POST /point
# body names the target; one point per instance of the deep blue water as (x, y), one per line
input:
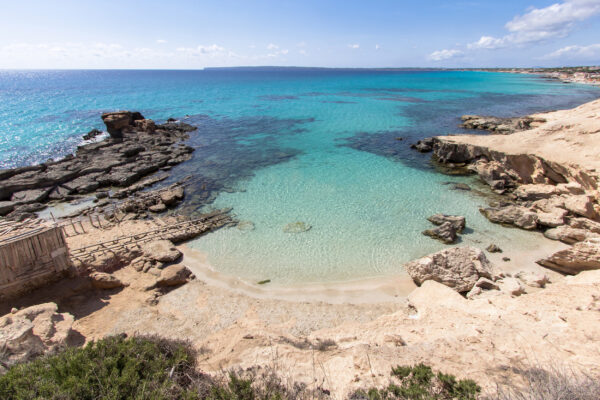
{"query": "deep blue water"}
(313, 146)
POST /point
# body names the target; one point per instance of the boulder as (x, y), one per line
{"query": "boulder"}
(117, 122)
(171, 196)
(6, 207)
(32, 332)
(458, 222)
(446, 232)
(157, 208)
(492, 248)
(161, 250)
(423, 146)
(102, 280)
(584, 223)
(582, 205)
(552, 219)
(173, 275)
(533, 279)
(582, 256)
(569, 235)
(458, 267)
(512, 214)
(486, 284)
(512, 286)
(536, 191)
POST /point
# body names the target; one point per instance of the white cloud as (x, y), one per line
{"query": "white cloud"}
(539, 24)
(201, 50)
(445, 54)
(377, 47)
(354, 46)
(272, 46)
(161, 41)
(589, 52)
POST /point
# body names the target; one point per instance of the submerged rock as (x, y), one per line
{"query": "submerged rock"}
(297, 227)
(245, 226)
(458, 267)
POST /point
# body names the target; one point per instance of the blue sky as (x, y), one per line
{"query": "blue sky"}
(331, 33)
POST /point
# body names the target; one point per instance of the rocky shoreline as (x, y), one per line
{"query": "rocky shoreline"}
(540, 193)
(136, 148)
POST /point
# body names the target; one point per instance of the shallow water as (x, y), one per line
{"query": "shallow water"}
(280, 147)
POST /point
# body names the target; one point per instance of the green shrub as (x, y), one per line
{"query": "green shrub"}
(420, 383)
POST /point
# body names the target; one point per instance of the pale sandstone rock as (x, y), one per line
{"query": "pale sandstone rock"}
(446, 233)
(591, 277)
(581, 256)
(549, 205)
(486, 284)
(512, 286)
(554, 218)
(173, 275)
(584, 223)
(102, 280)
(458, 267)
(571, 187)
(581, 205)
(536, 191)
(457, 221)
(533, 279)
(32, 332)
(512, 214)
(171, 196)
(161, 250)
(157, 208)
(569, 235)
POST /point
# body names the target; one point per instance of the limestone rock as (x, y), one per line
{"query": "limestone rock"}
(157, 208)
(173, 275)
(161, 250)
(492, 248)
(512, 214)
(457, 221)
(446, 232)
(552, 219)
(584, 223)
(536, 191)
(458, 267)
(116, 122)
(582, 205)
(581, 256)
(102, 280)
(486, 284)
(32, 332)
(493, 173)
(423, 146)
(569, 235)
(171, 196)
(533, 279)
(512, 286)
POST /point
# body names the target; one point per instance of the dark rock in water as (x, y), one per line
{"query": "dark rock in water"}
(492, 248)
(92, 134)
(399, 138)
(423, 146)
(458, 222)
(445, 232)
(117, 122)
(461, 186)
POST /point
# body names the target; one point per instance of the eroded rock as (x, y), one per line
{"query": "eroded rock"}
(458, 222)
(513, 215)
(173, 275)
(582, 256)
(102, 280)
(458, 267)
(161, 250)
(446, 232)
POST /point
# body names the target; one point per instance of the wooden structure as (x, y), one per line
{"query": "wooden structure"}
(31, 254)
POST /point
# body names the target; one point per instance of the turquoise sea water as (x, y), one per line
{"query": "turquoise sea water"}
(280, 147)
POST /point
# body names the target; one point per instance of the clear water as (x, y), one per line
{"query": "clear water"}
(281, 147)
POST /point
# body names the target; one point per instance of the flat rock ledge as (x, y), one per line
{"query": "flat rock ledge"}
(137, 147)
(503, 126)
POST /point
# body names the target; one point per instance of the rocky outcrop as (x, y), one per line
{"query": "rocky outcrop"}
(137, 148)
(503, 126)
(458, 222)
(173, 275)
(102, 280)
(424, 145)
(511, 215)
(446, 232)
(161, 251)
(458, 267)
(32, 332)
(569, 235)
(582, 256)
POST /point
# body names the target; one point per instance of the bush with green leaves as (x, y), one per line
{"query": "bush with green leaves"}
(419, 382)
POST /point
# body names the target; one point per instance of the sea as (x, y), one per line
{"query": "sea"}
(315, 163)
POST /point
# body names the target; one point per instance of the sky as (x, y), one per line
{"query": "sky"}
(187, 34)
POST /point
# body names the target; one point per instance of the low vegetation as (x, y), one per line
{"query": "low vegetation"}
(154, 368)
